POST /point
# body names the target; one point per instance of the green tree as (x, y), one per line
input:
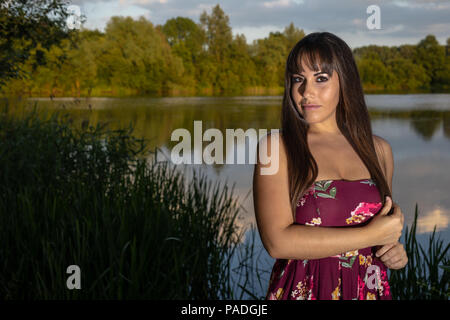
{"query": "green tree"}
(431, 56)
(242, 65)
(381, 53)
(24, 25)
(443, 73)
(293, 35)
(218, 43)
(98, 44)
(270, 59)
(407, 51)
(54, 75)
(408, 76)
(374, 73)
(84, 70)
(186, 39)
(139, 56)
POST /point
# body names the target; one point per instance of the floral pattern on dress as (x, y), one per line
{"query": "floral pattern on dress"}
(323, 186)
(362, 212)
(333, 203)
(308, 193)
(337, 291)
(277, 295)
(303, 290)
(314, 222)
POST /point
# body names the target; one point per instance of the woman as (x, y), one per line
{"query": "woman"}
(326, 215)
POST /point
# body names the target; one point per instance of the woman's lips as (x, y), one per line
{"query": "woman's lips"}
(311, 106)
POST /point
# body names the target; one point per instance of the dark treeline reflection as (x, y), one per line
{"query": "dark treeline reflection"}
(156, 119)
(425, 123)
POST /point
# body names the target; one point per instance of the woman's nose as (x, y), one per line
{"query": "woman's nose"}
(308, 91)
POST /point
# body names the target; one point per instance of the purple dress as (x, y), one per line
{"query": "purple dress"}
(356, 275)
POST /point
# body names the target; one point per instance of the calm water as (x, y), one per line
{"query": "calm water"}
(416, 126)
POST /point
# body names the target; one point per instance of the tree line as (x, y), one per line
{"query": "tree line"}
(134, 56)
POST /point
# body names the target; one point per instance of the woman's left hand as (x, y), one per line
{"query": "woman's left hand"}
(393, 255)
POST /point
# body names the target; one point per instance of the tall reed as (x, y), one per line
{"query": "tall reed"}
(137, 229)
(427, 274)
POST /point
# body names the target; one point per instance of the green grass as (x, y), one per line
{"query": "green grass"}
(86, 196)
(427, 274)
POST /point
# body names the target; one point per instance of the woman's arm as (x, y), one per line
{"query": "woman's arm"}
(392, 255)
(386, 158)
(280, 236)
(308, 242)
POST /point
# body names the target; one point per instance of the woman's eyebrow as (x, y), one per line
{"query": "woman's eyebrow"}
(315, 74)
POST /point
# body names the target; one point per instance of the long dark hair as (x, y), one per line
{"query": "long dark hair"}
(352, 116)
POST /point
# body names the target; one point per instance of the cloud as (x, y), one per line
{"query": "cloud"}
(253, 33)
(422, 4)
(277, 3)
(438, 217)
(141, 2)
(98, 13)
(436, 28)
(391, 30)
(358, 22)
(401, 21)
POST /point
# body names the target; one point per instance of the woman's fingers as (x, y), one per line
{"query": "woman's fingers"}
(388, 255)
(387, 206)
(384, 249)
(397, 264)
(398, 211)
(395, 257)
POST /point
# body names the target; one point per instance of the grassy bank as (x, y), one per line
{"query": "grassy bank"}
(122, 92)
(83, 196)
(178, 91)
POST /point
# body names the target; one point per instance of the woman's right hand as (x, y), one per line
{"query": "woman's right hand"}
(384, 228)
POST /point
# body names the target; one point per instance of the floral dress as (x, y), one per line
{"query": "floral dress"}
(357, 274)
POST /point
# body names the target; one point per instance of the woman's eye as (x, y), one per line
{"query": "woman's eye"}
(319, 79)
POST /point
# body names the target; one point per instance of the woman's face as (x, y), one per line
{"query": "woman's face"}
(316, 88)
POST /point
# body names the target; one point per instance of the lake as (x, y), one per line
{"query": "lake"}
(416, 125)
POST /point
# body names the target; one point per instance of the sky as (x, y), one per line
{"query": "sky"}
(399, 21)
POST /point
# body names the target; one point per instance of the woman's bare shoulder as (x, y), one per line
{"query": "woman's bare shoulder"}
(382, 144)
(384, 152)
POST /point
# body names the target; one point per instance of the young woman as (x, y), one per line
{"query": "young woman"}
(326, 215)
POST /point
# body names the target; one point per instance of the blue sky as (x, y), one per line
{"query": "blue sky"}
(402, 22)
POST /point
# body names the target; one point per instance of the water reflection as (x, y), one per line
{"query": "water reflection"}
(438, 217)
